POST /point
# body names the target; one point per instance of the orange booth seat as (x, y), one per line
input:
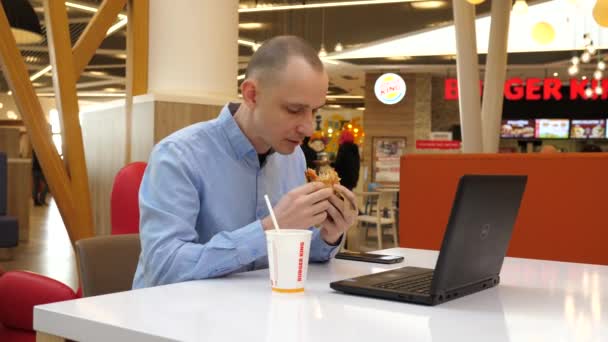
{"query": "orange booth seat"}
(563, 214)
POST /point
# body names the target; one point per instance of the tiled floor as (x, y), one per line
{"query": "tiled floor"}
(48, 251)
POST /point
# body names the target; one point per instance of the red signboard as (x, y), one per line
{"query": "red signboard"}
(536, 89)
(438, 144)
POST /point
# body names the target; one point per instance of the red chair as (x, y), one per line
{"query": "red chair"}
(125, 199)
(20, 291)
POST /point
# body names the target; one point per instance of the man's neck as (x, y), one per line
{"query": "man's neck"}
(243, 118)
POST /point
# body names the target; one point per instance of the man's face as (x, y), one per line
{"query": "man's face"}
(284, 112)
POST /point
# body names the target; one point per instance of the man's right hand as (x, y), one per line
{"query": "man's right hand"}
(302, 207)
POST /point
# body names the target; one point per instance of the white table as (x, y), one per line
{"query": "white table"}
(536, 301)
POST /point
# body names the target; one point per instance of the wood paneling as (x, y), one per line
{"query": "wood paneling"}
(9, 141)
(42, 337)
(19, 197)
(388, 120)
(172, 116)
(104, 137)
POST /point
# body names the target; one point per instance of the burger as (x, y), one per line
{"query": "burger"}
(328, 176)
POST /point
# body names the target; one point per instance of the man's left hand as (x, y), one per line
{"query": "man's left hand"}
(342, 213)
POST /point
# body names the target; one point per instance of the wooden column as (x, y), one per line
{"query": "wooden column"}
(64, 81)
(496, 71)
(468, 76)
(137, 63)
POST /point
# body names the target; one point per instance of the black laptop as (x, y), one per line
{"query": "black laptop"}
(474, 246)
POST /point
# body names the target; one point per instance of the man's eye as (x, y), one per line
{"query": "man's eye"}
(293, 110)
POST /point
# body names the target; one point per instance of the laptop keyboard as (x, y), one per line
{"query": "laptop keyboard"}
(416, 283)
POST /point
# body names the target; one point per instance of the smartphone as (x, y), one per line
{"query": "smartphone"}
(369, 257)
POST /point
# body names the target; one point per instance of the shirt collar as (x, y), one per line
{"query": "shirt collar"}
(239, 142)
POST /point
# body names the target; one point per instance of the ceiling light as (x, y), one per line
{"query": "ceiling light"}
(360, 108)
(97, 73)
(265, 8)
(116, 27)
(600, 13)
(543, 33)
(121, 55)
(32, 59)
(344, 97)
(599, 90)
(334, 106)
(520, 7)
(322, 52)
(575, 60)
(37, 84)
(240, 77)
(23, 21)
(431, 4)
(601, 65)
(86, 94)
(398, 58)
(585, 57)
(329, 61)
(573, 70)
(112, 90)
(555, 74)
(475, 2)
(339, 47)
(1, 105)
(598, 74)
(88, 8)
(9, 93)
(251, 26)
(40, 73)
(11, 115)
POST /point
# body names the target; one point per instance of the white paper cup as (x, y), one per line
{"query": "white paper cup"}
(288, 251)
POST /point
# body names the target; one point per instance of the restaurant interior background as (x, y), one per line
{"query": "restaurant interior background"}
(551, 43)
(361, 42)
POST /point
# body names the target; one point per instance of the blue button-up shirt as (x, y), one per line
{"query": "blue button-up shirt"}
(201, 203)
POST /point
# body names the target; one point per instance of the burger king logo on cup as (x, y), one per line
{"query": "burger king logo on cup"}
(390, 88)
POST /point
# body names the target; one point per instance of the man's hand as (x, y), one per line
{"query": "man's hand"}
(302, 207)
(341, 215)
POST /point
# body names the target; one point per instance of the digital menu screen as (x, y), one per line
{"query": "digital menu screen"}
(552, 128)
(517, 129)
(588, 129)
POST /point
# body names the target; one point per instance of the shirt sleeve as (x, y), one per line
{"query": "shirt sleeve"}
(169, 204)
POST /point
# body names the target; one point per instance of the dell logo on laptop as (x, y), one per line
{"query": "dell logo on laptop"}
(485, 231)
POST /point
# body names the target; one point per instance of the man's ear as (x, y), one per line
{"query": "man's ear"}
(249, 91)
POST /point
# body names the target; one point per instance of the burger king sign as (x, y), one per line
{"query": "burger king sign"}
(390, 88)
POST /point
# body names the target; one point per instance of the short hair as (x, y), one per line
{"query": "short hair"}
(272, 57)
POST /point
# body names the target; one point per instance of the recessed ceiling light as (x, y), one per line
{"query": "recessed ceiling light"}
(431, 4)
(97, 73)
(112, 90)
(251, 26)
(268, 7)
(398, 58)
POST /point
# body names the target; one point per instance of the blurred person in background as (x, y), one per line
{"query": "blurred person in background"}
(348, 162)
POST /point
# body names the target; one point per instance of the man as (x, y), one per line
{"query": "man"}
(201, 200)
